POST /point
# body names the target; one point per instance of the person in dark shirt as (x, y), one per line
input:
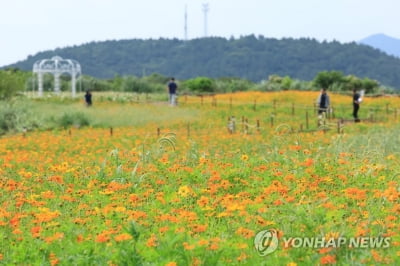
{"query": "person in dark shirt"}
(172, 89)
(356, 105)
(323, 102)
(88, 98)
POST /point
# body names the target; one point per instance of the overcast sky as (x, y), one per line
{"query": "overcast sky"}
(31, 26)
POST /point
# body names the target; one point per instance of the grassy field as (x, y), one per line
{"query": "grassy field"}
(143, 183)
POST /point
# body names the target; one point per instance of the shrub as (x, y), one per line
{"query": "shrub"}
(201, 84)
(14, 117)
(77, 119)
(233, 85)
(326, 79)
(134, 84)
(11, 82)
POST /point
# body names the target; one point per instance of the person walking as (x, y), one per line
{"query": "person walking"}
(356, 105)
(172, 89)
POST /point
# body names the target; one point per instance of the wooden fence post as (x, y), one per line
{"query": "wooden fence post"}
(292, 109)
(371, 116)
(307, 119)
(231, 124)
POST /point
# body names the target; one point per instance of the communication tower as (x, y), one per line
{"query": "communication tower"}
(206, 8)
(185, 28)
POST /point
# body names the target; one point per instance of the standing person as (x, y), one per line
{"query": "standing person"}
(356, 105)
(172, 89)
(323, 102)
(88, 98)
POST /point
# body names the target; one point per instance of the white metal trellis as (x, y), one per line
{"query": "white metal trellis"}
(57, 66)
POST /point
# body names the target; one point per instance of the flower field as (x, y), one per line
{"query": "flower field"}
(189, 192)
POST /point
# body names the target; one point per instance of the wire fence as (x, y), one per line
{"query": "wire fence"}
(268, 116)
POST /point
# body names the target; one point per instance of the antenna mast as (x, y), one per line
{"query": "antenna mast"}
(205, 10)
(185, 27)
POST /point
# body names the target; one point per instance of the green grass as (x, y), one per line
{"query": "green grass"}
(115, 114)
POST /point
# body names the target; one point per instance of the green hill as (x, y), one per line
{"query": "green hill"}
(250, 57)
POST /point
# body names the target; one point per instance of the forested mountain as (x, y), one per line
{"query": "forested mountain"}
(249, 57)
(385, 43)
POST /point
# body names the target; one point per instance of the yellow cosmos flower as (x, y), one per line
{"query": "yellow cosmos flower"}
(184, 191)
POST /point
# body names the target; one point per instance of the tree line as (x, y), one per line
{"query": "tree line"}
(14, 81)
(252, 58)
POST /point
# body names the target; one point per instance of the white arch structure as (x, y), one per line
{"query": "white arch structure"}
(57, 66)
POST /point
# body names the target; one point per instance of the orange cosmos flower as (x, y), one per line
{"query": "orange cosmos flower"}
(57, 179)
(328, 259)
(187, 246)
(243, 256)
(213, 246)
(35, 231)
(308, 162)
(79, 238)
(203, 201)
(164, 229)
(180, 230)
(391, 218)
(198, 228)
(324, 250)
(246, 233)
(152, 241)
(122, 237)
(53, 259)
(14, 222)
(203, 242)
(391, 193)
(54, 237)
(295, 147)
(48, 195)
(376, 256)
(356, 193)
(103, 237)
